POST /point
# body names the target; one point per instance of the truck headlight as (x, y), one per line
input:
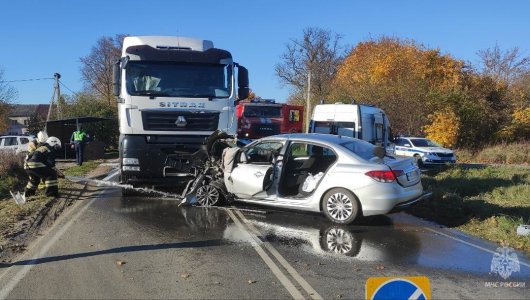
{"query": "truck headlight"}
(130, 161)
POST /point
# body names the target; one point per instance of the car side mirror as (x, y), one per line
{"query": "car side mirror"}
(407, 145)
(243, 158)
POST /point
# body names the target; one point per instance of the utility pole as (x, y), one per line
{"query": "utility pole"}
(57, 76)
(56, 91)
(308, 101)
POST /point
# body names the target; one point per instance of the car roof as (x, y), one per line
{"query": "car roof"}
(412, 137)
(312, 137)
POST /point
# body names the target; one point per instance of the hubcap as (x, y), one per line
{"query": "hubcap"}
(339, 241)
(339, 206)
(207, 195)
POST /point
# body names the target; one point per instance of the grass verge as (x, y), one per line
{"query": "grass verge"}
(489, 202)
(515, 153)
(11, 214)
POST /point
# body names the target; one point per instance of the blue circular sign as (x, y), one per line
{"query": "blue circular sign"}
(399, 289)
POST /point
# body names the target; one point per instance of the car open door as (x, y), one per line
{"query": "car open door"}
(253, 171)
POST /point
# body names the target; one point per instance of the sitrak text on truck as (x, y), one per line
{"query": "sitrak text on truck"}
(173, 92)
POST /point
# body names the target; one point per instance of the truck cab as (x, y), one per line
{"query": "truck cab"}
(173, 92)
(257, 118)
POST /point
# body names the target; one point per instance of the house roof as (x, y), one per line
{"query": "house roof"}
(28, 110)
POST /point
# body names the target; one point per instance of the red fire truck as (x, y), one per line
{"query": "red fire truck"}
(258, 118)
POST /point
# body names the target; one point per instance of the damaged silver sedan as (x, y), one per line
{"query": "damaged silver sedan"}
(342, 177)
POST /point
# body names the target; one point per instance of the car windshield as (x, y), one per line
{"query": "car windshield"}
(261, 111)
(423, 143)
(179, 80)
(362, 149)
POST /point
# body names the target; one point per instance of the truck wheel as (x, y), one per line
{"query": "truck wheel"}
(340, 206)
(208, 195)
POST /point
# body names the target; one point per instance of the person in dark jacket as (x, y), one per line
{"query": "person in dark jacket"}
(40, 165)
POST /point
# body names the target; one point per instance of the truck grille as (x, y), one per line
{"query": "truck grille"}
(445, 154)
(180, 121)
(263, 130)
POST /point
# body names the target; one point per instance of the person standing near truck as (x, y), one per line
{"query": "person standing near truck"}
(78, 140)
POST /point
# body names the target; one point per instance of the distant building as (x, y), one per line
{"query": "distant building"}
(20, 116)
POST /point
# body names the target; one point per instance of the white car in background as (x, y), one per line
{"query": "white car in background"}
(16, 143)
(424, 150)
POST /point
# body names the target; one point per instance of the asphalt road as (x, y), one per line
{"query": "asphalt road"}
(108, 246)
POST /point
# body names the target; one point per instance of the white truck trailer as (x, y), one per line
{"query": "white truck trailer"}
(173, 92)
(364, 122)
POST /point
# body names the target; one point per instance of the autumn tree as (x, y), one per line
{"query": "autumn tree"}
(318, 51)
(406, 79)
(444, 127)
(8, 95)
(96, 69)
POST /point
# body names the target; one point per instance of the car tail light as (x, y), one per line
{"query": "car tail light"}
(385, 175)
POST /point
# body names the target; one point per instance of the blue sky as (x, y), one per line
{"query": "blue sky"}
(40, 38)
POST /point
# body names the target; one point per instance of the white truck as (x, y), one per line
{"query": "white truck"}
(364, 122)
(173, 92)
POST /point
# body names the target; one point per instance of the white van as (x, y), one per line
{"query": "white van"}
(365, 122)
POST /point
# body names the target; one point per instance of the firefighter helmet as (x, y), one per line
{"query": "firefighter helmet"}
(54, 142)
(42, 136)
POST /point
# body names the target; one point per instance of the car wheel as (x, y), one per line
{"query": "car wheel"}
(340, 240)
(418, 160)
(208, 195)
(340, 206)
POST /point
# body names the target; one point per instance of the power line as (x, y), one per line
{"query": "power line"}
(61, 83)
(21, 80)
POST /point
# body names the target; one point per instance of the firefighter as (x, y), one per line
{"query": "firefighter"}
(40, 165)
(42, 136)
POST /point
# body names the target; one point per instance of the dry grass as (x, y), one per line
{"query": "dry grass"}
(12, 174)
(515, 153)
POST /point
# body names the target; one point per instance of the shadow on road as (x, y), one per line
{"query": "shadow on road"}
(38, 261)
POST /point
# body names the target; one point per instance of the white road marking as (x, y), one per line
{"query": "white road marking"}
(255, 242)
(417, 293)
(15, 280)
(303, 283)
(469, 244)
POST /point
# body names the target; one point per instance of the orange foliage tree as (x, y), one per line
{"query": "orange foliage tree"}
(444, 127)
(406, 79)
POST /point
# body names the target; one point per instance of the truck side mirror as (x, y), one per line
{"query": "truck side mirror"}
(116, 78)
(242, 83)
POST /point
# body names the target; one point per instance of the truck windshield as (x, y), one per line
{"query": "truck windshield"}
(262, 111)
(163, 79)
